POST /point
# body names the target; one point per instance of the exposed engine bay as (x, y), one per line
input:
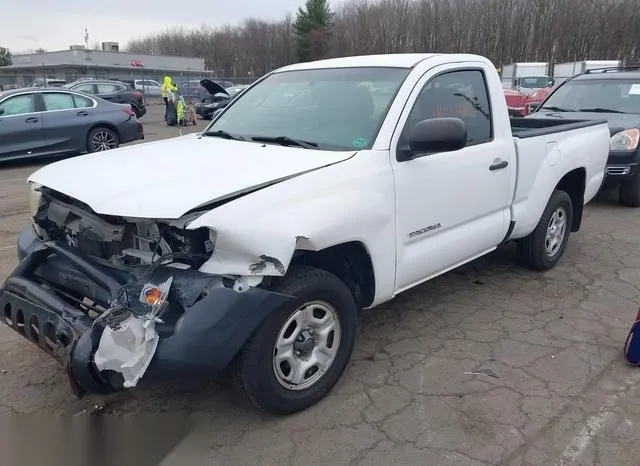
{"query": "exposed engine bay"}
(120, 242)
(156, 278)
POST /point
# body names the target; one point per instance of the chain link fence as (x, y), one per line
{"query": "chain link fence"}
(146, 81)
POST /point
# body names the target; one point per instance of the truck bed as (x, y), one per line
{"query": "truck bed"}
(546, 150)
(529, 127)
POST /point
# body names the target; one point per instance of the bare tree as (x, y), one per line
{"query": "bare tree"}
(505, 31)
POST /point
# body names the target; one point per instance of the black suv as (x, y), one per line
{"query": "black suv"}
(113, 91)
(612, 94)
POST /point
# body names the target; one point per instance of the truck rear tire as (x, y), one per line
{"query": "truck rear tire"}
(544, 247)
(298, 354)
(630, 193)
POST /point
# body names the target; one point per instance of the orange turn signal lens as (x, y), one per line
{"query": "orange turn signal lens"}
(153, 295)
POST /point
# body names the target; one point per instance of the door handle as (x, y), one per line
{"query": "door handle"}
(499, 165)
(82, 113)
(31, 120)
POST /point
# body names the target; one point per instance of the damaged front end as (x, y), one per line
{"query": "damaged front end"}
(116, 299)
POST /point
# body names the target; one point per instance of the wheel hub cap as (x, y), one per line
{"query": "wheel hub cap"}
(307, 345)
(556, 231)
(102, 141)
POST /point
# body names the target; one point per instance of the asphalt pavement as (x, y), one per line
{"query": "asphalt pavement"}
(489, 364)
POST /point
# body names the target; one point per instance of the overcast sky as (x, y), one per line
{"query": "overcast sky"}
(52, 25)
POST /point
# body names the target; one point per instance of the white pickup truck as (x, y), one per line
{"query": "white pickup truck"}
(325, 188)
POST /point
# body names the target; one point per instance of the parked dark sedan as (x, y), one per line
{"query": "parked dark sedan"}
(113, 91)
(192, 90)
(217, 99)
(42, 122)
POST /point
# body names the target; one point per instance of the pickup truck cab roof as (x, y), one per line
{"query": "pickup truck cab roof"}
(322, 189)
(398, 60)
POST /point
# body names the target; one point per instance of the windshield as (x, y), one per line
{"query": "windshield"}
(535, 82)
(333, 109)
(601, 95)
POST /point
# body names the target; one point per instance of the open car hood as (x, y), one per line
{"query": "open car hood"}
(167, 179)
(213, 87)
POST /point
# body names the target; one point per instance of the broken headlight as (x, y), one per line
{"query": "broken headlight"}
(35, 198)
(35, 201)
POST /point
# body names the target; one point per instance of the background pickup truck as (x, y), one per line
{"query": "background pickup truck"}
(323, 189)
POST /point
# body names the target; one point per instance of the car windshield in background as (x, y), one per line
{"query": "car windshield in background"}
(235, 90)
(535, 82)
(596, 95)
(333, 109)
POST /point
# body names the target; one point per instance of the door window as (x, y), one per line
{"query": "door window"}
(19, 105)
(459, 94)
(108, 88)
(82, 102)
(58, 101)
(88, 88)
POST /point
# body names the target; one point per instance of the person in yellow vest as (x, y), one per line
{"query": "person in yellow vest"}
(167, 90)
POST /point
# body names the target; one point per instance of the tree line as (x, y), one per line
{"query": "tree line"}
(505, 31)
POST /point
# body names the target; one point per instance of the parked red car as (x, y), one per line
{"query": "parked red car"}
(538, 97)
(517, 103)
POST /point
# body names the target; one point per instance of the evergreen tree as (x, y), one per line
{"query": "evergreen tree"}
(312, 29)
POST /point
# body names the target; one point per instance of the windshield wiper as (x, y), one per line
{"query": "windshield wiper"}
(286, 141)
(222, 134)
(557, 109)
(600, 110)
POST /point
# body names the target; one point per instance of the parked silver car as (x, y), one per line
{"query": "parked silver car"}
(41, 82)
(36, 122)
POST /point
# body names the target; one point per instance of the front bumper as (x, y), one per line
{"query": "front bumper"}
(622, 167)
(205, 112)
(203, 330)
(618, 173)
(518, 112)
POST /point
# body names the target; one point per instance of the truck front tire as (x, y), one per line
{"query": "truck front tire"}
(544, 247)
(298, 354)
(630, 193)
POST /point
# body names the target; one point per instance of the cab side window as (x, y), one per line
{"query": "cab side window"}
(19, 105)
(460, 94)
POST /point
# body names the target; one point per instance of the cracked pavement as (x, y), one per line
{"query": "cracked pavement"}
(490, 364)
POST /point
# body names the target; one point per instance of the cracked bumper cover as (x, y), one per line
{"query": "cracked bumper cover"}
(200, 337)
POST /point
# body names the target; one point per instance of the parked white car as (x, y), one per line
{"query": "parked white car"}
(148, 87)
(323, 189)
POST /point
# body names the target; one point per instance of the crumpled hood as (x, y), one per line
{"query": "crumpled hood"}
(166, 179)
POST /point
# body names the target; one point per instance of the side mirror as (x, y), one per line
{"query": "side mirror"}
(1, 111)
(437, 135)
